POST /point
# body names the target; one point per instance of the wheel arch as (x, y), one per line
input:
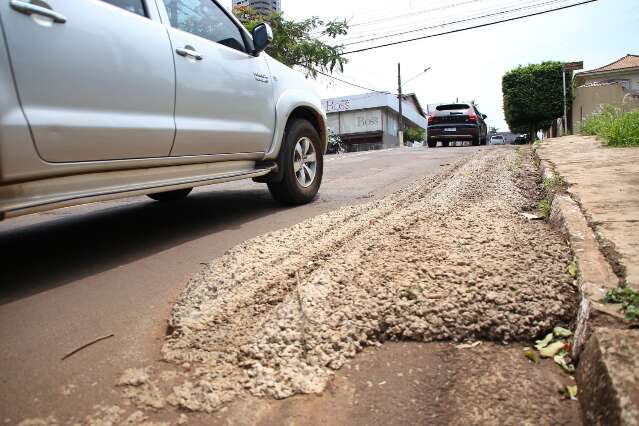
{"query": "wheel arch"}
(295, 104)
(315, 118)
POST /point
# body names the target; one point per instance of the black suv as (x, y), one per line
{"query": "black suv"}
(456, 122)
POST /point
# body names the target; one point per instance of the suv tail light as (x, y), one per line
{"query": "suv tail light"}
(473, 117)
(431, 119)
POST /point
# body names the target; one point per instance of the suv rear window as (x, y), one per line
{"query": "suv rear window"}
(450, 107)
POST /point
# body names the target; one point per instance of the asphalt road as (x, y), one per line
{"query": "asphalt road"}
(72, 275)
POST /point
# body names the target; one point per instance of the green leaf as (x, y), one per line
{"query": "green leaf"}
(544, 342)
(561, 332)
(561, 361)
(531, 355)
(572, 269)
(551, 350)
(571, 392)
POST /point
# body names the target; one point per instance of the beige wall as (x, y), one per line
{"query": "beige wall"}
(631, 78)
(589, 100)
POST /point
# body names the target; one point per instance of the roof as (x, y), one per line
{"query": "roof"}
(628, 61)
(378, 100)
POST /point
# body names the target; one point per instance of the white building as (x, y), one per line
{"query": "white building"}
(369, 121)
(262, 6)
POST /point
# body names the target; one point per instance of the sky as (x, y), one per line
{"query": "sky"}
(469, 65)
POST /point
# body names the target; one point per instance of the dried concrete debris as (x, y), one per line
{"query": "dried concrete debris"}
(135, 419)
(469, 345)
(105, 415)
(48, 421)
(134, 377)
(140, 389)
(449, 258)
(68, 389)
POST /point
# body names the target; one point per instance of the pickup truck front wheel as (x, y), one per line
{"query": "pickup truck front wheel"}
(301, 162)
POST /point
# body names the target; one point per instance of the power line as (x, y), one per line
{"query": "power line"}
(418, 12)
(443, 21)
(352, 84)
(393, 27)
(319, 33)
(470, 28)
(459, 21)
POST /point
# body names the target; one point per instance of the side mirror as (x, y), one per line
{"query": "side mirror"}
(262, 37)
(484, 116)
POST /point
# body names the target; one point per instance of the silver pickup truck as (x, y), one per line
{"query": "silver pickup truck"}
(101, 99)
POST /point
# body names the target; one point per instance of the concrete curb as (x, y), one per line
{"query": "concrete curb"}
(607, 378)
(605, 375)
(596, 276)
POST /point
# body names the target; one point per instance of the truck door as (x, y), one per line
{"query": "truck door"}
(95, 78)
(224, 97)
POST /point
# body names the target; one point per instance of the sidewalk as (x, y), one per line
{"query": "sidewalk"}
(605, 181)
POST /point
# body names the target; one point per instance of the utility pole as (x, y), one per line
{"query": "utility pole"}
(400, 121)
(563, 68)
(568, 66)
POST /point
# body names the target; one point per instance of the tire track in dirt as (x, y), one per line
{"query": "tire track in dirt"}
(448, 258)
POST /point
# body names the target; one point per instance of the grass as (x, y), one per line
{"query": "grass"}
(628, 298)
(544, 208)
(615, 127)
(515, 166)
(555, 184)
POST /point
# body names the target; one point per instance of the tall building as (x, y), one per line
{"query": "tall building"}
(262, 6)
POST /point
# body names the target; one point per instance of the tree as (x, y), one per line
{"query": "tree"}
(493, 129)
(414, 134)
(299, 43)
(533, 96)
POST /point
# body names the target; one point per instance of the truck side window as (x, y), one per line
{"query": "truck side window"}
(204, 18)
(134, 6)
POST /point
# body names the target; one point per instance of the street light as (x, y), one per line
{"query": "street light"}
(400, 132)
(418, 75)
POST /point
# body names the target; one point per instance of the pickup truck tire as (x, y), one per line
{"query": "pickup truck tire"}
(432, 143)
(301, 162)
(169, 196)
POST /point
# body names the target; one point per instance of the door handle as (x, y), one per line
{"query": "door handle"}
(189, 51)
(34, 9)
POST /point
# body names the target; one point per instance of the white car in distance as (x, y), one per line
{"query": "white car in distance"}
(497, 140)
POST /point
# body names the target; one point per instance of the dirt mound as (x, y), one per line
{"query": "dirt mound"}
(449, 258)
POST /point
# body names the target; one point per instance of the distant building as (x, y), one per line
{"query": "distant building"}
(262, 6)
(370, 121)
(615, 84)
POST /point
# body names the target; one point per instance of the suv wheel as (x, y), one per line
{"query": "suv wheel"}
(302, 165)
(178, 194)
(432, 144)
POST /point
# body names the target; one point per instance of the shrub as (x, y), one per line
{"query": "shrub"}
(615, 127)
(544, 208)
(628, 298)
